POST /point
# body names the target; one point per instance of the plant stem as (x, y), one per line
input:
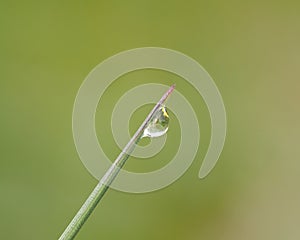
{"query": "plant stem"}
(103, 185)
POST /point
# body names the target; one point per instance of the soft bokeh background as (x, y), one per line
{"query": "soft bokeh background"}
(252, 51)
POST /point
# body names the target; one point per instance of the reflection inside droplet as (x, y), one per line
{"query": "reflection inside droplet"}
(158, 125)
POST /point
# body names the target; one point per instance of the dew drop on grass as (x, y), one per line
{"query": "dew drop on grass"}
(158, 125)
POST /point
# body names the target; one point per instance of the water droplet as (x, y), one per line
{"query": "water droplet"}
(158, 125)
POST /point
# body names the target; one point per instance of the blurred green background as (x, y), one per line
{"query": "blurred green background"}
(250, 48)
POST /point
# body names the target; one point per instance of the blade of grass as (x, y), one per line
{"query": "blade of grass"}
(103, 185)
